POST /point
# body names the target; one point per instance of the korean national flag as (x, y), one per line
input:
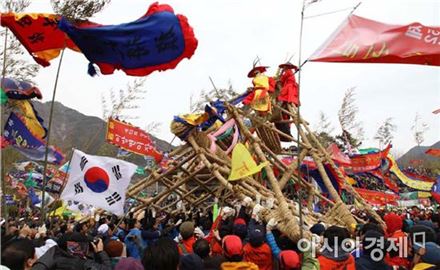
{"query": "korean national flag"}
(98, 181)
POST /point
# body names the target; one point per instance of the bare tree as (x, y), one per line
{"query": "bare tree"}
(153, 127)
(347, 116)
(385, 132)
(16, 65)
(15, 5)
(118, 103)
(212, 95)
(324, 124)
(323, 130)
(419, 128)
(78, 9)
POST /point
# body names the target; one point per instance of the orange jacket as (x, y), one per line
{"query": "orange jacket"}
(329, 264)
(261, 256)
(238, 266)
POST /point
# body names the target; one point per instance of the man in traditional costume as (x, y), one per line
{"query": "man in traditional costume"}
(259, 98)
(288, 94)
(289, 86)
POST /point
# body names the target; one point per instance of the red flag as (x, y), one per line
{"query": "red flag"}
(39, 34)
(376, 197)
(3, 142)
(433, 152)
(368, 162)
(338, 156)
(132, 139)
(386, 180)
(361, 40)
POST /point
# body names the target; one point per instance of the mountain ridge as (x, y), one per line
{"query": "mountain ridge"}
(73, 129)
(418, 153)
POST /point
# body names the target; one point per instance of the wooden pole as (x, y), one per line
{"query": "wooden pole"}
(3, 199)
(43, 210)
(67, 173)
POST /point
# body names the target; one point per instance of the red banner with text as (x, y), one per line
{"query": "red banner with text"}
(376, 197)
(362, 40)
(368, 162)
(132, 139)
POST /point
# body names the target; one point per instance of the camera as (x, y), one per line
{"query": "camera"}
(131, 237)
(96, 240)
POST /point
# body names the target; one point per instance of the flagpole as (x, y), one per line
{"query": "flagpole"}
(301, 221)
(64, 183)
(43, 210)
(297, 122)
(66, 174)
(300, 65)
(6, 214)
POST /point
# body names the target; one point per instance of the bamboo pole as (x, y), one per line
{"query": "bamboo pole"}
(291, 169)
(3, 199)
(43, 204)
(180, 190)
(149, 181)
(283, 207)
(341, 176)
(175, 186)
(349, 220)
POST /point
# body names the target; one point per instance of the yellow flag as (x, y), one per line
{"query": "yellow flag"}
(29, 118)
(243, 164)
(195, 119)
(60, 210)
(415, 184)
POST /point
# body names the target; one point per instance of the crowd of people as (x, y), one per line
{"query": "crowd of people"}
(236, 239)
(370, 182)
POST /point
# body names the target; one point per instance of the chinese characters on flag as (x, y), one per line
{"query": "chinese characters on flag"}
(132, 139)
(368, 162)
(376, 197)
(39, 34)
(362, 40)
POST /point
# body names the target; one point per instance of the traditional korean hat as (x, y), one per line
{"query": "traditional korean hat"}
(288, 65)
(256, 69)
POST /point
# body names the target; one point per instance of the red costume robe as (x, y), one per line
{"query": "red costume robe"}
(289, 88)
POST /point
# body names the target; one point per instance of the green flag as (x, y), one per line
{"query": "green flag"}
(30, 182)
(214, 211)
(140, 171)
(409, 196)
(3, 97)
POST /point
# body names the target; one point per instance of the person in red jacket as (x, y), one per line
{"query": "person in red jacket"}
(396, 256)
(186, 230)
(334, 256)
(288, 95)
(256, 250)
(233, 253)
(289, 86)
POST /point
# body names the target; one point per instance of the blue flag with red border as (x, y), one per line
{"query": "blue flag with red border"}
(19, 136)
(159, 40)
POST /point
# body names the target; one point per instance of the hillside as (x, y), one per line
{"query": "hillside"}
(418, 153)
(72, 129)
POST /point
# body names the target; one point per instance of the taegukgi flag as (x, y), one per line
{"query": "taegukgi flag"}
(98, 181)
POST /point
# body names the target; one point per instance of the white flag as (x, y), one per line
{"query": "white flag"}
(98, 181)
